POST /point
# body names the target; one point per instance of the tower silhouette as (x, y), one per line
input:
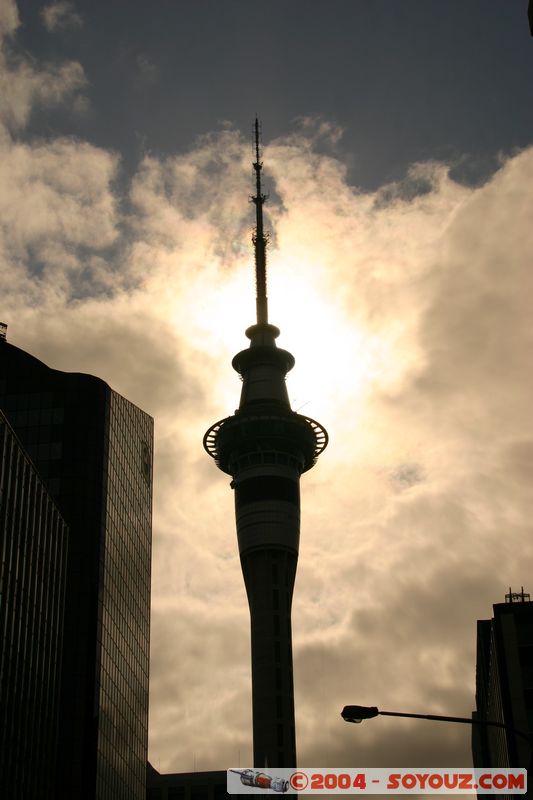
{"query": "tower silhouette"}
(265, 447)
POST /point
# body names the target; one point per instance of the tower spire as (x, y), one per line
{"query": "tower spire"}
(258, 237)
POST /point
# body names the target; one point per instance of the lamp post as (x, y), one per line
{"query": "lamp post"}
(359, 713)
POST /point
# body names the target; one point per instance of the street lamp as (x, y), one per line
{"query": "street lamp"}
(359, 713)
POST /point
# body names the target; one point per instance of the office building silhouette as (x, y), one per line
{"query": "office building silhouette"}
(504, 683)
(93, 451)
(185, 785)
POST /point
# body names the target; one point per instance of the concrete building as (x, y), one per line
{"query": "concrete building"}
(504, 683)
(185, 785)
(93, 451)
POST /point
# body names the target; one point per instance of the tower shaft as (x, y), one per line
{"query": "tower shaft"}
(267, 510)
(265, 447)
(269, 577)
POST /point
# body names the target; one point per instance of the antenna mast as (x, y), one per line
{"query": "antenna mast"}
(258, 237)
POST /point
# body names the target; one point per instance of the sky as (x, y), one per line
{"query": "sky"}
(398, 158)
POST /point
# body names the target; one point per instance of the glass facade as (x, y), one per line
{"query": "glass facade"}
(33, 546)
(125, 604)
(489, 745)
(94, 451)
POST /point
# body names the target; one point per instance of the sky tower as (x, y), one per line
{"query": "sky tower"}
(265, 447)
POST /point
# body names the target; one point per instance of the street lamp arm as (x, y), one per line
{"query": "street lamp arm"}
(464, 720)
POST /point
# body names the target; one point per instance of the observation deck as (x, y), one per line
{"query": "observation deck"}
(270, 437)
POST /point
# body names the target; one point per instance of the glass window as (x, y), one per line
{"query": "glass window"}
(46, 416)
(43, 451)
(56, 450)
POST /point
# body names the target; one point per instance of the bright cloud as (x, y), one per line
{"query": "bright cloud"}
(407, 312)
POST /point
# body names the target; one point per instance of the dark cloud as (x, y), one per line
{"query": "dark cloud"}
(26, 85)
(61, 16)
(406, 475)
